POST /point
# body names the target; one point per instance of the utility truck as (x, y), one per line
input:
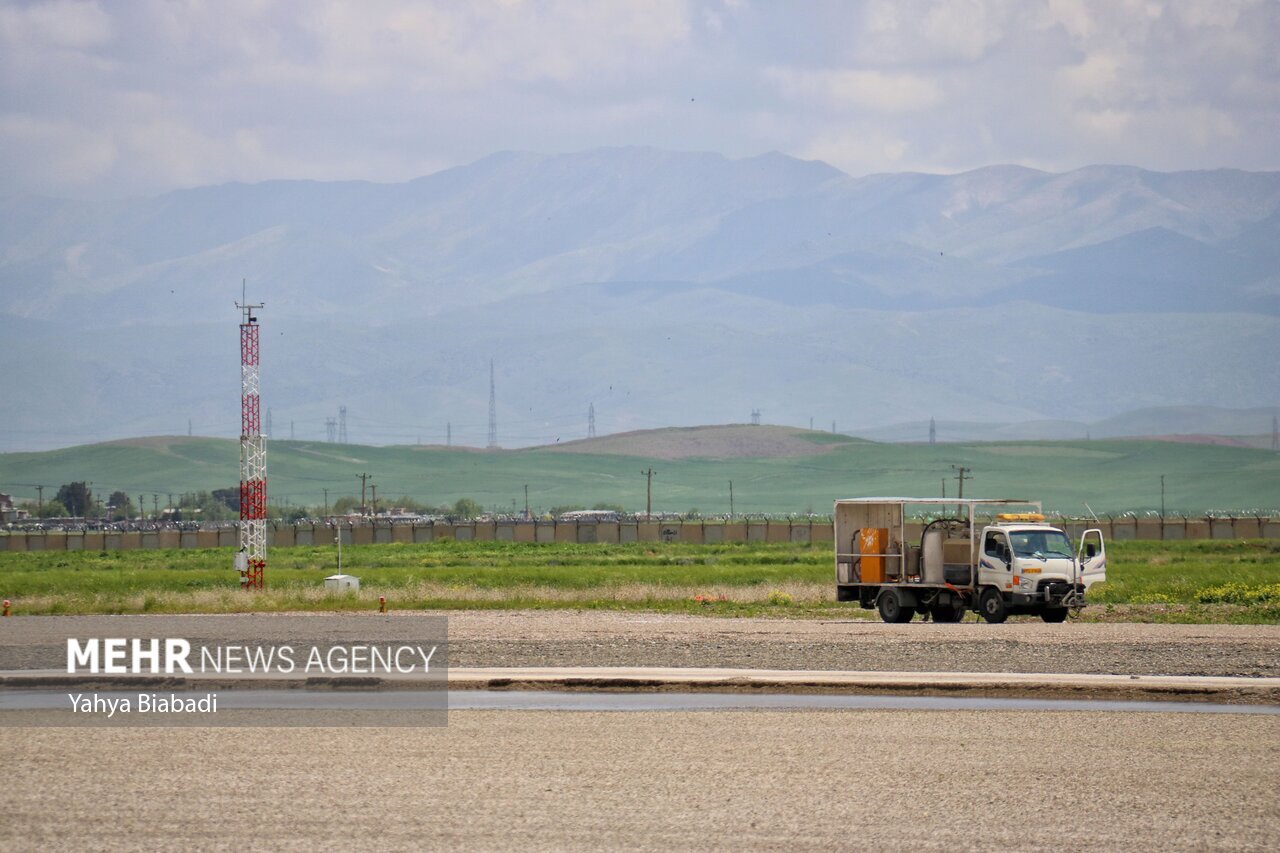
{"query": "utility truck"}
(995, 557)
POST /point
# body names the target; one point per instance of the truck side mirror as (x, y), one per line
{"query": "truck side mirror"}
(1090, 550)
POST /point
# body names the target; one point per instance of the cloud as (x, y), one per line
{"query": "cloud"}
(874, 90)
(127, 98)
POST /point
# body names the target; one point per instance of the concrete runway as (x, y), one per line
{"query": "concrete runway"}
(792, 780)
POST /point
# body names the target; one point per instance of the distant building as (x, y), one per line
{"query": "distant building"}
(8, 512)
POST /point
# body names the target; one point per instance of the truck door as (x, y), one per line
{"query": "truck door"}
(996, 560)
(1092, 557)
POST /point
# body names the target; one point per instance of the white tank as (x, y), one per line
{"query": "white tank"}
(931, 556)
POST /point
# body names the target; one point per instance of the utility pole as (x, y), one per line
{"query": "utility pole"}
(731, 498)
(810, 423)
(493, 410)
(363, 509)
(291, 430)
(1275, 433)
(833, 426)
(591, 421)
(39, 499)
(142, 507)
(648, 493)
(374, 486)
(448, 433)
(933, 431)
(326, 501)
(1162, 497)
(155, 505)
(961, 473)
(944, 487)
(188, 427)
(526, 500)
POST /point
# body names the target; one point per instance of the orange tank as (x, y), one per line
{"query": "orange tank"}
(873, 541)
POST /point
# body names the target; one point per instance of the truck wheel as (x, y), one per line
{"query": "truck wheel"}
(891, 609)
(991, 606)
(1054, 614)
(946, 613)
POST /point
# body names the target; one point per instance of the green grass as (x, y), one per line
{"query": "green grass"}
(1111, 476)
(1195, 581)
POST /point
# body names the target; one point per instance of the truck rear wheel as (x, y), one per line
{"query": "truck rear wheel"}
(1054, 614)
(947, 613)
(991, 606)
(891, 609)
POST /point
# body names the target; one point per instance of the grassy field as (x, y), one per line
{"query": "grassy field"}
(1111, 476)
(1208, 581)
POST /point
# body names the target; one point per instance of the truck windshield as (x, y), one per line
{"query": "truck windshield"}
(1040, 543)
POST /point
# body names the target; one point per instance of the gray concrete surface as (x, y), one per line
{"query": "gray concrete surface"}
(601, 638)
(507, 780)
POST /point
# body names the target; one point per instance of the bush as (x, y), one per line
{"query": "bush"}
(777, 598)
(1239, 593)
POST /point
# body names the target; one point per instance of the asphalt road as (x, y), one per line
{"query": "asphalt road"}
(506, 780)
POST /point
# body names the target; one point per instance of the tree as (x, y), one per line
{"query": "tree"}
(230, 498)
(76, 497)
(50, 509)
(121, 506)
(345, 505)
(467, 508)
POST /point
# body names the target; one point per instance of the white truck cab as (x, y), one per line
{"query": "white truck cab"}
(1034, 567)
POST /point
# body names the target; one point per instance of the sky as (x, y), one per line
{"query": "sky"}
(137, 97)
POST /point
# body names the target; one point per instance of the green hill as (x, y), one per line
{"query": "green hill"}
(773, 469)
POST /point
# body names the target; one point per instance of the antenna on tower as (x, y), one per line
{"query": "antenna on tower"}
(342, 425)
(251, 561)
(591, 421)
(493, 410)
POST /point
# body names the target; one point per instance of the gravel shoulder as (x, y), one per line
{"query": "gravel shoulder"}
(608, 638)
(659, 781)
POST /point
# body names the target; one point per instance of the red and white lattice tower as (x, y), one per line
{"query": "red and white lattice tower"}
(252, 559)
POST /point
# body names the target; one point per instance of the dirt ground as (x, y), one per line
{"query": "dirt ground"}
(603, 638)
(504, 780)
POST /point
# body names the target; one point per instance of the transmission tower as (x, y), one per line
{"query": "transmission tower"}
(331, 429)
(755, 417)
(591, 421)
(266, 429)
(493, 410)
(933, 431)
(252, 559)
(342, 425)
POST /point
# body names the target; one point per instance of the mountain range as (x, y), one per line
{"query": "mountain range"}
(662, 288)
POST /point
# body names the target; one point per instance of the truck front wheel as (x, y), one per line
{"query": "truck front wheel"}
(991, 606)
(891, 608)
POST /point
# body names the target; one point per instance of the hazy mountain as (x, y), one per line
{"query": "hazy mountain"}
(665, 288)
